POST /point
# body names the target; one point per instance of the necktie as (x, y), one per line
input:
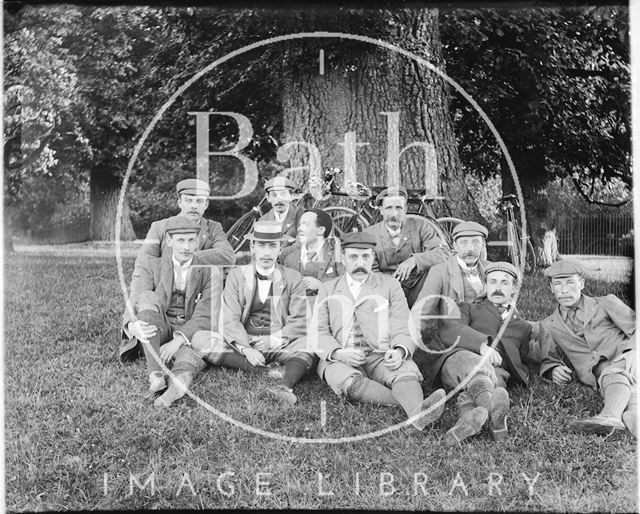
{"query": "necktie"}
(502, 309)
(573, 321)
(264, 277)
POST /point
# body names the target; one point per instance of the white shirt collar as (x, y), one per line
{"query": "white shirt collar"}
(393, 233)
(182, 266)
(463, 264)
(281, 217)
(352, 282)
(265, 271)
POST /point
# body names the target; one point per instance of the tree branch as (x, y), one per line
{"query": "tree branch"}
(596, 202)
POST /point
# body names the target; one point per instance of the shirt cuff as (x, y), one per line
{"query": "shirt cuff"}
(126, 330)
(330, 356)
(186, 339)
(406, 351)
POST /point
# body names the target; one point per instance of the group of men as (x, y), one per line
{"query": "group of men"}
(357, 310)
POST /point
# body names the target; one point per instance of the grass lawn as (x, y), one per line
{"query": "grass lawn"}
(80, 431)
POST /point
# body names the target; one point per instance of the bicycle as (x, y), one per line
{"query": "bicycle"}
(244, 224)
(521, 251)
(364, 212)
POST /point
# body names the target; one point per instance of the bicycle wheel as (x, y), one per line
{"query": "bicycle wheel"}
(346, 220)
(442, 233)
(238, 230)
(448, 223)
(516, 248)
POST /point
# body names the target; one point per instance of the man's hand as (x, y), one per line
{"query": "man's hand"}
(494, 356)
(350, 356)
(311, 283)
(405, 269)
(168, 350)
(561, 375)
(254, 356)
(142, 330)
(393, 358)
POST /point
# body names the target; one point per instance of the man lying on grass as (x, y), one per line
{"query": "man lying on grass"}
(598, 338)
(360, 328)
(264, 316)
(173, 304)
(469, 340)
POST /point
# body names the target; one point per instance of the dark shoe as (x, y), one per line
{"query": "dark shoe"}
(498, 414)
(430, 410)
(469, 424)
(157, 382)
(283, 394)
(275, 371)
(601, 425)
(178, 386)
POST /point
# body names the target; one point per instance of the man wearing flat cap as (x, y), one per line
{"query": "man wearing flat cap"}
(470, 347)
(212, 246)
(313, 255)
(593, 339)
(406, 247)
(279, 190)
(361, 335)
(174, 304)
(264, 312)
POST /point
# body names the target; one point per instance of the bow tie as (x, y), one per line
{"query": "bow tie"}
(502, 308)
(260, 276)
(470, 271)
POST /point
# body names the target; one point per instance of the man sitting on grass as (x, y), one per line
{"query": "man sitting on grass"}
(361, 334)
(313, 255)
(472, 353)
(173, 304)
(598, 338)
(212, 246)
(264, 316)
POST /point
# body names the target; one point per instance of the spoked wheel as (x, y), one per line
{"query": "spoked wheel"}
(235, 235)
(448, 223)
(346, 220)
(519, 247)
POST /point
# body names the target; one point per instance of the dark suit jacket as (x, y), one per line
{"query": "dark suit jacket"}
(290, 303)
(477, 321)
(325, 268)
(290, 224)
(213, 247)
(609, 330)
(153, 282)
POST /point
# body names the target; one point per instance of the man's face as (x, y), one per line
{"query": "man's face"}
(394, 211)
(183, 245)
(358, 262)
(500, 287)
(279, 198)
(193, 206)
(469, 248)
(265, 253)
(567, 290)
(308, 230)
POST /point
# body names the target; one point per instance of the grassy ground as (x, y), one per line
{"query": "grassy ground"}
(79, 430)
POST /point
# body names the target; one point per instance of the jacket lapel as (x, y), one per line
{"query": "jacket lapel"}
(166, 276)
(278, 288)
(203, 233)
(455, 278)
(248, 272)
(590, 307)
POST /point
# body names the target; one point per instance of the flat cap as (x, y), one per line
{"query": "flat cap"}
(391, 191)
(193, 186)
(358, 240)
(506, 267)
(266, 231)
(469, 228)
(181, 225)
(278, 182)
(564, 269)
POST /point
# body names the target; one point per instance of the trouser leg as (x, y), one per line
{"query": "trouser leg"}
(163, 335)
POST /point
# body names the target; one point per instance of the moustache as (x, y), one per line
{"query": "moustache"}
(360, 270)
(498, 293)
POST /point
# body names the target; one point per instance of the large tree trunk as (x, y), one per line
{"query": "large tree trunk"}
(362, 81)
(105, 190)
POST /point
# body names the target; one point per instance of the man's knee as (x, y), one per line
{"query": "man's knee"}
(310, 360)
(209, 346)
(186, 359)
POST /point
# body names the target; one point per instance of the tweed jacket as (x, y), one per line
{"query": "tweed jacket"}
(290, 224)
(289, 300)
(417, 239)
(445, 279)
(609, 330)
(381, 310)
(153, 281)
(325, 268)
(479, 320)
(213, 247)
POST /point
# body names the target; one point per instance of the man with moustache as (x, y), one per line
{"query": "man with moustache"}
(279, 191)
(174, 304)
(264, 316)
(361, 335)
(314, 254)
(596, 336)
(212, 246)
(406, 247)
(471, 348)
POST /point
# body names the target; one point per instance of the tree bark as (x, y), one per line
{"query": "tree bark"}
(105, 191)
(359, 84)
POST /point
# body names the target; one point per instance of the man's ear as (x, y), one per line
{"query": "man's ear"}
(169, 240)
